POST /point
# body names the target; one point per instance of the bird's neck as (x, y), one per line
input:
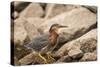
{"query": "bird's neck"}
(53, 38)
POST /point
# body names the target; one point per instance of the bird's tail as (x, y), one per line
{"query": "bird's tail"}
(28, 46)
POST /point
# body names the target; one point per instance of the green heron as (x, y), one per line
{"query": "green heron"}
(45, 43)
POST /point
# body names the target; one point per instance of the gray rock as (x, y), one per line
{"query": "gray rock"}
(35, 20)
(31, 28)
(53, 10)
(89, 41)
(19, 31)
(88, 45)
(77, 43)
(76, 53)
(64, 59)
(78, 20)
(28, 59)
(26, 29)
(32, 10)
(89, 57)
(76, 27)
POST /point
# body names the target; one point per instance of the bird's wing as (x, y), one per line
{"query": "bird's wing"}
(38, 43)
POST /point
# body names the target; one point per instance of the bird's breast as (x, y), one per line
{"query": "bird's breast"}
(53, 39)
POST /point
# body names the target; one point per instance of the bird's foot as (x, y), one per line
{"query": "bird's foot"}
(49, 55)
(44, 59)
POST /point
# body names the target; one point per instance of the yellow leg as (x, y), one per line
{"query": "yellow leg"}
(45, 61)
(49, 56)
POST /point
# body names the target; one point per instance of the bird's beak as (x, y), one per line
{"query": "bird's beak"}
(60, 27)
(63, 26)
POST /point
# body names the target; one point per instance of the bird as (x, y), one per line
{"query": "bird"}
(46, 43)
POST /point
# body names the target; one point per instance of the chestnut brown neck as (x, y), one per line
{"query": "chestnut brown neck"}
(53, 38)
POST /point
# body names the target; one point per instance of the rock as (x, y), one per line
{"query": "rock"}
(77, 43)
(48, 10)
(53, 10)
(72, 56)
(32, 58)
(32, 10)
(89, 41)
(19, 31)
(35, 20)
(27, 59)
(62, 51)
(89, 57)
(64, 59)
(20, 51)
(76, 27)
(31, 26)
(88, 45)
(72, 19)
(75, 54)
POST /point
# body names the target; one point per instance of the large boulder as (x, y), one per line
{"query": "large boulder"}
(32, 10)
(88, 45)
(79, 43)
(78, 20)
(26, 29)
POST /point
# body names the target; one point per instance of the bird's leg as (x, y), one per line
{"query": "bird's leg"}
(50, 51)
(45, 61)
(50, 56)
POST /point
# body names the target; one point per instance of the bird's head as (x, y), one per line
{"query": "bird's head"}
(56, 27)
